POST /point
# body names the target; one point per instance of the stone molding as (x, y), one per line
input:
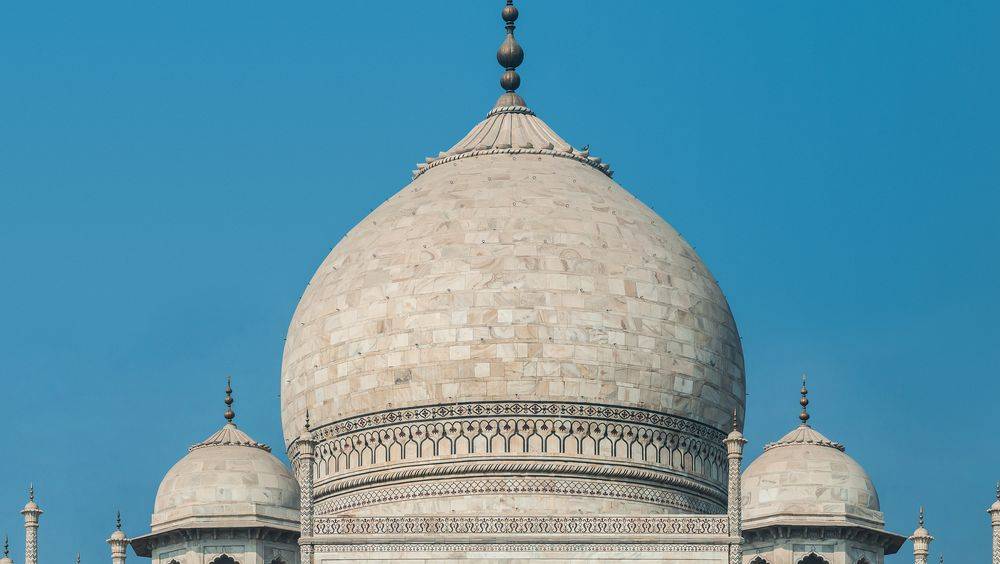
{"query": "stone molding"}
(517, 485)
(522, 547)
(575, 439)
(144, 545)
(694, 525)
(889, 542)
(570, 410)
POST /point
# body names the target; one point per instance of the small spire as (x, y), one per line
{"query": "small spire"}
(920, 520)
(31, 492)
(510, 56)
(118, 520)
(229, 400)
(77, 558)
(307, 425)
(804, 416)
(6, 547)
(736, 421)
(998, 491)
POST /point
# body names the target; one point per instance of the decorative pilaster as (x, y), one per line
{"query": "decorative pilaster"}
(31, 514)
(921, 541)
(118, 542)
(304, 462)
(994, 512)
(734, 449)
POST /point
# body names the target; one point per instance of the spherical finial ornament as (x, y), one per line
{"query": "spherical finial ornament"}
(736, 420)
(509, 12)
(230, 414)
(31, 492)
(804, 416)
(920, 520)
(510, 55)
(118, 520)
(6, 547)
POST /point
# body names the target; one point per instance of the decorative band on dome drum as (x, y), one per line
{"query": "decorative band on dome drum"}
(524, 525)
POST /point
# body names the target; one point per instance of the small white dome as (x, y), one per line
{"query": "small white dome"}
(227, 480)
(806, 478)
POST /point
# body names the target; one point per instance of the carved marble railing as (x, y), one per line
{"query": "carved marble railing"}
(568, 440)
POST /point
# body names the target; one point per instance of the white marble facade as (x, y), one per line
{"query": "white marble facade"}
(511, 360)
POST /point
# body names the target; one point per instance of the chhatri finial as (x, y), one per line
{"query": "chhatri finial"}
(920, 520)
(736, 421)
(6, 547)
(804, 416)
(77, 558)
(118, 520)
(998, 491)
(307, 420)
(229, 400)
(31, 492)
(510, 55)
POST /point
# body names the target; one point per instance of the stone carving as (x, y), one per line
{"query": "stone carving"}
(522, 547)
(813, 558)
(605, 525)
(513, 485)
(225, 559)
(648, 444)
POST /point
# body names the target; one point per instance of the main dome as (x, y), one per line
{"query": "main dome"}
(516, 328)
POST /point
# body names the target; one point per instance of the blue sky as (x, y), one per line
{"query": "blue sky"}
(172, 173)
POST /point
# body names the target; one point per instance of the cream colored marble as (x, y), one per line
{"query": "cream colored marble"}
(227, 485)
(506, 276)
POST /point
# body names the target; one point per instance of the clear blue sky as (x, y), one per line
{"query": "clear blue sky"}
(172, 173)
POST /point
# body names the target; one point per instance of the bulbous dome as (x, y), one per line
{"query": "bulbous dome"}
(513, 282)
(806, 479)
(228, 480)
(504, 276)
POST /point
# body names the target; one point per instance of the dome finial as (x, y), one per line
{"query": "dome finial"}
(307, 422)
(510, 55)
(230, 414)
(6, 546)
(118, 520)
(920, 520)
(804, 416)
(736, 420)
(998, 491)
(77, 558)
(31, 492)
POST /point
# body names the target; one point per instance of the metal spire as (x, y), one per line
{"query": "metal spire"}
(510, 55)
(31, 492)
(736, 421)
(998, 491)
(118, 520)
(307, 428)
(6, 547)
(230, 414)
(920, 520)
(77, 558)
(804, 416)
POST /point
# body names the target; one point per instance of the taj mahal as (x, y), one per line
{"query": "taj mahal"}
(513, 359)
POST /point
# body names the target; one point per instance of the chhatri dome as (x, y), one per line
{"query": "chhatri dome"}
(513, 277)
(227, 480)
(804, 482)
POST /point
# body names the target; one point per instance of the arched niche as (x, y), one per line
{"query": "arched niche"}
(813, 559)
(224, 559)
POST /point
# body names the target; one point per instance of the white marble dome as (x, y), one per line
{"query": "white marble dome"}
(807, 479)
(496, 275)
(228, 480)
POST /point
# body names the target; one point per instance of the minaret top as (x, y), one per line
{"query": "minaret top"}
(995, 508)
(921, 534)
(230, 414)
(510, 56)
(31, 507)
(804, 416)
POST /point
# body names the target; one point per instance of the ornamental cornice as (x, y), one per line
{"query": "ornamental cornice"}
(608, 470)
(678, 525)
(522, 547)
(890, 542)
(482, 485)
(551, 409)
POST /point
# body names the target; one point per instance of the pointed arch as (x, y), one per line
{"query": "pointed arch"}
(224, 559)
(813, 558)
(278, 560)
(759, 560)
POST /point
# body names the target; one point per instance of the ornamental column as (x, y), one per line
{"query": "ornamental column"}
(734, 450)
(994, 512)
(921, 541)
(118, 542)
(31, 514)
(304, 463)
